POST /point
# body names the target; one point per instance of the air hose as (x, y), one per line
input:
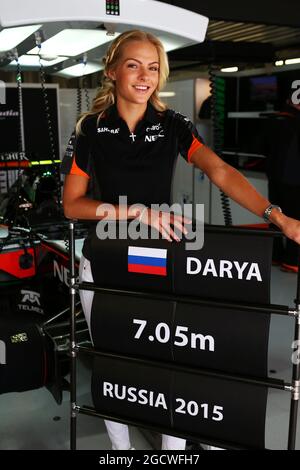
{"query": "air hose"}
(217, 86)
(56, 172)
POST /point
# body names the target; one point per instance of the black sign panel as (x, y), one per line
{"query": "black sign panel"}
(220, 409)
(35, 123)
(228, 267)
(132, 264)
(188, 403)
(132, 326)
(132, 391)
(22, 354)
(232, 341)
(10, 122)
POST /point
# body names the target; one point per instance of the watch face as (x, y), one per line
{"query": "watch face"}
(268, 211)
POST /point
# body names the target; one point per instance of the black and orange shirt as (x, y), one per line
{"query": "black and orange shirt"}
(139, 164)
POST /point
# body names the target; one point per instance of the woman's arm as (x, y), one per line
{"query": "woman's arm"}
(237, 187)
(78, 206)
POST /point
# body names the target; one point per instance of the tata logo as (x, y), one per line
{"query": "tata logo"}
(224, 269)
(2, 352)
(61, 272)
(30, 296)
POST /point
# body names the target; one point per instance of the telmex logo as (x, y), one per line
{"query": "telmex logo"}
(223, 269)
(30, 296)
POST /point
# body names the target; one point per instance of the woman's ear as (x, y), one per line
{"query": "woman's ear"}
(111, 74)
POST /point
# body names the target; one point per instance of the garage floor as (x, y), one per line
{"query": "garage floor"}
(32, 420)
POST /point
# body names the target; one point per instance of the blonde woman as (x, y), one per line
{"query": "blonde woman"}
(128, 145)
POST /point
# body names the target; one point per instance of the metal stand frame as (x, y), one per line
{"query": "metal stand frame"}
(293, 387)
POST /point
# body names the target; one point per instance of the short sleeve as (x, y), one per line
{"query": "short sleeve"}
(188, 137)
(76, 160)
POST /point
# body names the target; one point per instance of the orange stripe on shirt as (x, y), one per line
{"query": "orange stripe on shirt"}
(75, 170)
(195, 145)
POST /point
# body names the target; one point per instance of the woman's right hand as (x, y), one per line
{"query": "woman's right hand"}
(165, 223)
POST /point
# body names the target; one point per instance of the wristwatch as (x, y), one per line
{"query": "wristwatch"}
(267, 213)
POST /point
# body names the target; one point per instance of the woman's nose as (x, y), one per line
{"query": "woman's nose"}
(144, 73)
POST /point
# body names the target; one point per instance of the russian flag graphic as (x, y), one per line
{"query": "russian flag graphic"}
(147, 260)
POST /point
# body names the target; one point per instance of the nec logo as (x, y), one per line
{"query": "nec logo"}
(61, 272)
(30, 296)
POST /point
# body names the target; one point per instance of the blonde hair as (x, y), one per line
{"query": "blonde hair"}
(106, 95)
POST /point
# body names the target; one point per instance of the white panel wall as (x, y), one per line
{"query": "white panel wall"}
(68, 113)
(183, 102)
(240, 215)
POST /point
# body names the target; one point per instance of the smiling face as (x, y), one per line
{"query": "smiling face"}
(137, 73)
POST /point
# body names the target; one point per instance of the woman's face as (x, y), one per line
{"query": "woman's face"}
(137, 72)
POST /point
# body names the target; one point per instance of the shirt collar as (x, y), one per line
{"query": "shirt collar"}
(150, 116)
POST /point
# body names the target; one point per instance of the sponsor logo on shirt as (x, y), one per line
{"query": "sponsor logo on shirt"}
(154, 128)
(147, 260)
(107, 129)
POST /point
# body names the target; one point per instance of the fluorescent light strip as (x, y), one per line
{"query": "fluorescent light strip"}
(72, 42)
(79, 70)
(11, 37)
(33, 61)
(278, 63)
(292, 61)
(230, 69)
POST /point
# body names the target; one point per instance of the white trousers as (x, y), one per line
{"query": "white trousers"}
(118, 433)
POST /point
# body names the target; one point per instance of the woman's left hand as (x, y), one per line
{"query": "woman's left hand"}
(291, 229)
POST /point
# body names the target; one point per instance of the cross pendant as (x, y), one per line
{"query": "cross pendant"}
(132, 136)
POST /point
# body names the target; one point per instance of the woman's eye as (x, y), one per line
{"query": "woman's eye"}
(154, 69)
(132, 66)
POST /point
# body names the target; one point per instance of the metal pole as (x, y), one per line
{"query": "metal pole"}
(296, 370)
(73, 352)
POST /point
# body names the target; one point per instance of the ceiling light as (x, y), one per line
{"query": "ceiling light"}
(292, 61)
(171, 43)
(11, 37)
(278, 63)
(79, 70)
(33, 61)
(230, 69)
(72, 42)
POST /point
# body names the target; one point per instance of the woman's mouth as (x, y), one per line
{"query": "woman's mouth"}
(141, 88)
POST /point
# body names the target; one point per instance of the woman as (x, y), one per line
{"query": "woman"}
(128, 145)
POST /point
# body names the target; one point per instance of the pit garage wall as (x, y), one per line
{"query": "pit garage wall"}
(189, 95)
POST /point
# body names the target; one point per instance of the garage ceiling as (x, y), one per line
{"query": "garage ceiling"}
(278, 36)
(272, 12)
(255, 32)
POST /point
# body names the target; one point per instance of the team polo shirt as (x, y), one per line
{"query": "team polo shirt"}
(139, 164)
